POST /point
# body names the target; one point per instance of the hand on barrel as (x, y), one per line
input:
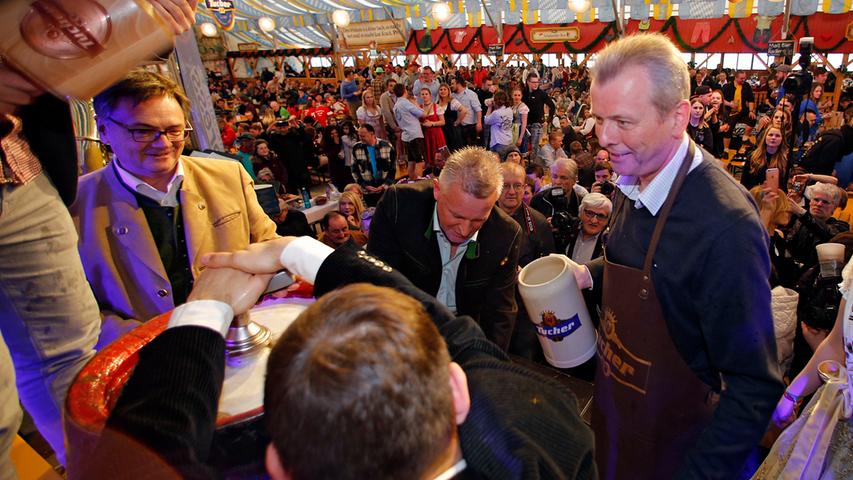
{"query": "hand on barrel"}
(179, 14)
(15, 90)
(239, 289)
(257, 258)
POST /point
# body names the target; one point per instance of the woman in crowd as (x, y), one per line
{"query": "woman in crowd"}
(499, 119)
(698, 128)
(264, 157)
(332, 148)
(369, 113)
(512, 155)
(351, 207)
(587, 124)
(812, 102)
(818, 443)
(717, 117)
(349, 137)
(771, 152)
(432, 127)
(775, 213)
(453, 112)
(519, 120)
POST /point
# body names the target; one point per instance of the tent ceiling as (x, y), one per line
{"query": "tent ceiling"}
(306, 24)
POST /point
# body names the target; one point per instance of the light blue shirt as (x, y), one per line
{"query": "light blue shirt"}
(449, 265)
(432, 86)
(654, 195)
(408, 115)
(471, 102)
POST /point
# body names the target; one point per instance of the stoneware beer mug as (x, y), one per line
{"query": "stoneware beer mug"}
(76, 48)
(831, 258)
(557, 309)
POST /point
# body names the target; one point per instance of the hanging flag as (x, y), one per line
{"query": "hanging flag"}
(803, 7)
(768, 8)
(741, 9)
(662, 11)
(837, 6)
(605, 14)
(559, 15)
(456, 20)
(702, 9)
(587, 16)
(639, 9)
(512, 18)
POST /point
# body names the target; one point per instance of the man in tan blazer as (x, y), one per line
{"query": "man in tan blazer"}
(144, 220)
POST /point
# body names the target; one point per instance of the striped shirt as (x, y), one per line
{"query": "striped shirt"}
(19, 164)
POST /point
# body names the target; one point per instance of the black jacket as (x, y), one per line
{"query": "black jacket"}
(50, 133)
(521, 425)
(401, 234)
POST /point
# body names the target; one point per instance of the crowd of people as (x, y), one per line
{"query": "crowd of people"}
(447, 182)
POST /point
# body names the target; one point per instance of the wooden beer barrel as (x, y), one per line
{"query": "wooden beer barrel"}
(239, 441)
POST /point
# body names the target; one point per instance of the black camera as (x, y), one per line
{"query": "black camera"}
(563, 221)
(800, 83)
(606, 188)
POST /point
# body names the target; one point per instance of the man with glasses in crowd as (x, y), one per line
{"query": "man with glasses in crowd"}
(145, 219)
(587, 244)
(536, 99)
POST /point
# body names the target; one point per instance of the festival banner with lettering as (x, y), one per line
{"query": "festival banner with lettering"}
(748, 35)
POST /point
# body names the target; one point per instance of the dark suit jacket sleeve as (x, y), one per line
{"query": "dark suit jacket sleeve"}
(465, 340)
(500, 308)
(167, 408)
(384, 241)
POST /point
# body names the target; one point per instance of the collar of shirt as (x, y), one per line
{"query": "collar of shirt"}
(167, 199)
(654, 195)
(436, 227)
(453, 471)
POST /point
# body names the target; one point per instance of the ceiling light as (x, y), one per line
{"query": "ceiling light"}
(266, 24)
(208, 29)
(441, 11)
(578, 6)
(340, 18)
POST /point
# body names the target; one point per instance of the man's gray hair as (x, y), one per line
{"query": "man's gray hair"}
(475, 169)
(596, 200)
(510, 167)
(654, 53)
(566, 163)
(828, 189)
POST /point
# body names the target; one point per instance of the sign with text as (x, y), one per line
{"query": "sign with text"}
(384, 32)
(247, 47)
(496, 49)
(782, 48)
(552, 35)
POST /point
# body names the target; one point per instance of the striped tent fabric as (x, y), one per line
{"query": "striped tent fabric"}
(639, 9)
(837, 6)
(803, 7)
(702, 9)
(767, 8)
(740, 9)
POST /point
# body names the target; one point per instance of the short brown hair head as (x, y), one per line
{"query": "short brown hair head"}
(358, 387)
(138, 86)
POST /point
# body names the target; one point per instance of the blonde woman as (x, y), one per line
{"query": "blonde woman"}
(369, 112)
(351, 207)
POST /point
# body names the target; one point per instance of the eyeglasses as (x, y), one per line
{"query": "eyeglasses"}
(149, 135)
(514, 186)
(589, 214)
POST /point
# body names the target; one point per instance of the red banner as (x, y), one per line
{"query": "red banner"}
(832, 33)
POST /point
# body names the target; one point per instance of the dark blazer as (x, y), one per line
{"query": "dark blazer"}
(521, 424)
(50, 134)
(401, 234)
(596, 252)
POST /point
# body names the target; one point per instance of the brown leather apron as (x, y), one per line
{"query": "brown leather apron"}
(649, 407)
